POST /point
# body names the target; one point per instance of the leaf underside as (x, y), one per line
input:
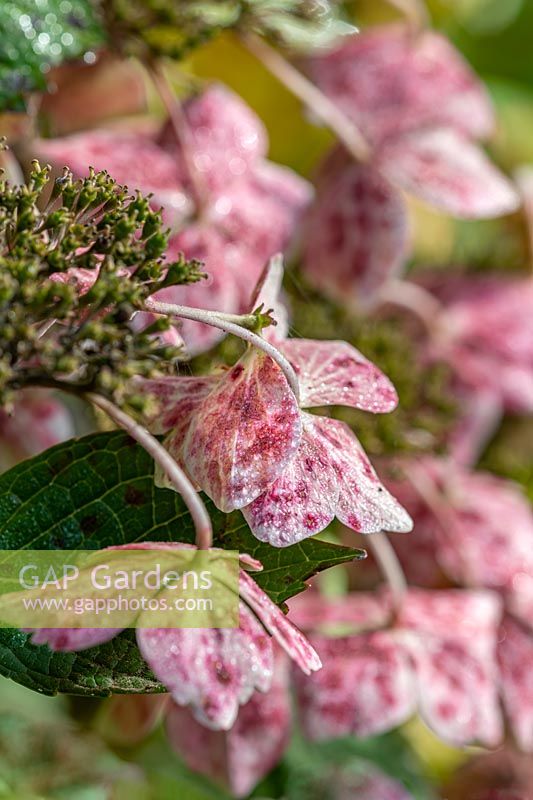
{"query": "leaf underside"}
(98, 491)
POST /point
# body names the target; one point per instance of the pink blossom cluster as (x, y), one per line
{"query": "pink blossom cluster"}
(245, 440)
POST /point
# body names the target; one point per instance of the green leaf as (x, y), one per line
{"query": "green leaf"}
(35, 36)
(98, 491)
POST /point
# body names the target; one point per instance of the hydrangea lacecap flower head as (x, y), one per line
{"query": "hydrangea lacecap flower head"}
(387, 80)
(212, 670)
(477, 527)
(439, 658)
(485, 330)
(252, 206)
(292, 471)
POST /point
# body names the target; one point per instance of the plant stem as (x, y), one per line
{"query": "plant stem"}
(345, 130)
(179, 124)
(419, 301)
(483, 415)
(182, 484)
(219, 321)
(389, 565)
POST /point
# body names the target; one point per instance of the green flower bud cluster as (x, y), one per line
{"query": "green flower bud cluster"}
(77, 259)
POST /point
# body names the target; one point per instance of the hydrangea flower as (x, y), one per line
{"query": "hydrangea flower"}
(438, 657)
(387, 80)
(252, 206)
(213, 671)
(243, 440)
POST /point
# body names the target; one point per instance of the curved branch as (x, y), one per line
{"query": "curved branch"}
(413, 298)
(220, 321)
(182, 484)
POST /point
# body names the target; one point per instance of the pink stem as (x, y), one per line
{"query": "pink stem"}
(182, 133)
(345, 130)
(389, 565)
(412, 297)
(201, 519)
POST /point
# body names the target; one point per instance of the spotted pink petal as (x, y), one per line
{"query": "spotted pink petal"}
(452, 636)
(490, 540)
(457, 692)
(284, 632)
(177, 398)
(471, 616)
(490, 342)
(515, 656)
(365, 687)
(417, 553)
(353, 613)
(237, 759)
(364, 504)
(267, 294)
(445, 170)
(356, 233)
(519, 597)
(335, 373)
(244, 433)
(263, 210)
(225, 138)
(212, 670)
(73, 639)
(303, 500)
(131, 158)
(389, 82)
